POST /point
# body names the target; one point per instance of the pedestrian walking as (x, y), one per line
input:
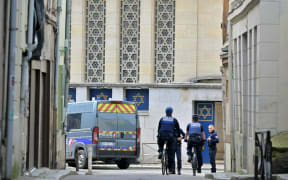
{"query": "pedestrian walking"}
(168, 131)
(178, 152)
(212, 144)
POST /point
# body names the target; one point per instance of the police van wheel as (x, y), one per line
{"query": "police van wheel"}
(123, 164)
(82, 159)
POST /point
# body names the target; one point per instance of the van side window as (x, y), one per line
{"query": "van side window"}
(73, 121)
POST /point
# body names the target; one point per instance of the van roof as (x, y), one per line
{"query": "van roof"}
(117, 101)
(80, 107)
(88, 106)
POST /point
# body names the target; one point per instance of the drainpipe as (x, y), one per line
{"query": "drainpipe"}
(67, 55)
(26, 59)
(5, 18)
(54, 164)
(24, 92)
(11, 87)
(67, 64)
(57, 53)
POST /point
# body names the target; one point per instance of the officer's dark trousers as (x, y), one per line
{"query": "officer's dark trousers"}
(198, 148)
(212, 155)
(171, 141)
(178, 155)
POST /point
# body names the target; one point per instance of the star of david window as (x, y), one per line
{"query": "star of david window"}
(164, 40)
(129, 41)
(95, 40)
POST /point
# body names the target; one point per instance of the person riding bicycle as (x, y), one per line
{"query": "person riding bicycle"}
(168, 131)
(196, 135)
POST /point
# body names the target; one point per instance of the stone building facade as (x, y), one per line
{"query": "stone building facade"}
(158, 53)
(31, 129)
(257, 76)
(225, 88)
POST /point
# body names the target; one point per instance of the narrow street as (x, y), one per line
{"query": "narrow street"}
(136, 172)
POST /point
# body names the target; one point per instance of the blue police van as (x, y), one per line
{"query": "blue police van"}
(110, 127)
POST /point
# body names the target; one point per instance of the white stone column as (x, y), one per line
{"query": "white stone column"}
(186, 41)
(77, 41)
(112, 41)
(146, 71)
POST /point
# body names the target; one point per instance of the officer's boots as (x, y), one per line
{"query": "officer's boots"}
(160, 155)
(179, 171)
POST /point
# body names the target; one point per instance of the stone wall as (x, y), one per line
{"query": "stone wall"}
(197, 40)
(259, 79)
(182, 100)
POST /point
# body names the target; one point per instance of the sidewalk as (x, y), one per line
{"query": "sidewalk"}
(47, 174)
(235, 176)
(220, 166)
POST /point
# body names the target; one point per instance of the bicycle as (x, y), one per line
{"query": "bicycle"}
(194, 160)
(164, 160)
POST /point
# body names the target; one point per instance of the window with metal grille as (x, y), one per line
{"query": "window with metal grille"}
(129, 41)
(164, 40)
(95, 40)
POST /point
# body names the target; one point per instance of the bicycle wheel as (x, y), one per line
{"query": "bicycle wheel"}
(163, 163)
(194, 164)
(166, 163)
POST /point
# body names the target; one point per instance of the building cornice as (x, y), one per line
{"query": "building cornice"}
(240, 8)
(152, 85)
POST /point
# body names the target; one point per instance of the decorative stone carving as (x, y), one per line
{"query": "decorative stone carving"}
(95, 40)
(164, 41)
(129, 41)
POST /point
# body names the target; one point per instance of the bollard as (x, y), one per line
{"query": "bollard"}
(89, 161)
(76, 161)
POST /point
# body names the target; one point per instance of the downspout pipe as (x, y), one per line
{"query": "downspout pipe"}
(57, 54)
(67, 62)
(25, 64)
(67, 54)
(11, 87)
(24, 91)
(56, 68)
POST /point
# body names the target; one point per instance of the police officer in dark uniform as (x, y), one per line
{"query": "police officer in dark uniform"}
(196, 135)
(168, 130)
(178, 152)
(212, 142)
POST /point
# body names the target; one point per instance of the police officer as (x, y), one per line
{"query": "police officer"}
(168, 130)
(196, 136)
(212, 141)
(178, 152)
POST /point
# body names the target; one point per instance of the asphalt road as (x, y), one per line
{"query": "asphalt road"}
(111, 172)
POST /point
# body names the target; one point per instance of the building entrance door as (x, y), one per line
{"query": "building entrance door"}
(206, 112)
